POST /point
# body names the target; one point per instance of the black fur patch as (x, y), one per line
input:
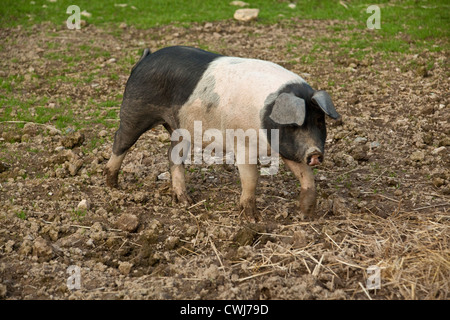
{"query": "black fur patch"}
(159, 84)
(169, 76)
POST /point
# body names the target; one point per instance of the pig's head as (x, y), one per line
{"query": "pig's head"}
(299, 115)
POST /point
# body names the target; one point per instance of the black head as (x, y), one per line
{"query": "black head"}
(298, 112)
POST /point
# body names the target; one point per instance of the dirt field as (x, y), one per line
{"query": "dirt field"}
(383, 189)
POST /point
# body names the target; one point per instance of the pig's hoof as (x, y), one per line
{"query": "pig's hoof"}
(249, 211)
(182, 198)
(111, 178)
(308, 202)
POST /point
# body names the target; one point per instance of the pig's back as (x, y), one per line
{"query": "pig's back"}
(232, 92)
(248, 82)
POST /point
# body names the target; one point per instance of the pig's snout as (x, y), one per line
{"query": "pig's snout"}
(314, 159)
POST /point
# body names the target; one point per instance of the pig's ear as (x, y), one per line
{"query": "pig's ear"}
(288, 110)
(323, 100)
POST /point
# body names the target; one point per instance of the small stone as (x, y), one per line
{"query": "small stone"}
(128, 222)
(398, 192)
(349, 160)
(73, 140)
(75, 166)
(246, 15)
(427, 110)
(438, 182)
(84, 205)
(374, 145)
(3, 167)
(84, 13)
(172, 242)
(97, 232)
(244, 252)
(360, 154)
(9, 245)
(417, 156)
(90, 243)
(248, 234)
(103, 133)
(444, 141)
(360, 140)
(122, 25)
(53, 131)
(164, 176)
(239, 3)
(435, 151)
(422, 71)
(140, 196)
(31, 129)
(26, 247)
(101, 212)
(125, 267)
(212, 273)
(42, 249)
(60, 173)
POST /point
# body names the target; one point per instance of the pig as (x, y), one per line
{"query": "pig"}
(178, 85)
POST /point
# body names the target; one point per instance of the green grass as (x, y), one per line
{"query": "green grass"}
(22, 215)
(423, 20)
(34, 110)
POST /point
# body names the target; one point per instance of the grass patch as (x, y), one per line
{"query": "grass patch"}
(35, 110)
(418, 20)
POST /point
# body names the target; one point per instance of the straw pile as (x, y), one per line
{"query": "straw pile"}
(410, 248)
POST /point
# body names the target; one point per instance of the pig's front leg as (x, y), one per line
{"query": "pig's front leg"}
(304, 173)
(249, 179)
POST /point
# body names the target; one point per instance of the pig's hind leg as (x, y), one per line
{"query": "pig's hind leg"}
(177, 173)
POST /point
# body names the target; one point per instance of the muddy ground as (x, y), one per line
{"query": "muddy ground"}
(383, 189)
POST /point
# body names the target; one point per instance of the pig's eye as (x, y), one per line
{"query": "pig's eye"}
(320, 121)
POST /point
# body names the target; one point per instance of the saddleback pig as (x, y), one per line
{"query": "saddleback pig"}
(178, 85)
